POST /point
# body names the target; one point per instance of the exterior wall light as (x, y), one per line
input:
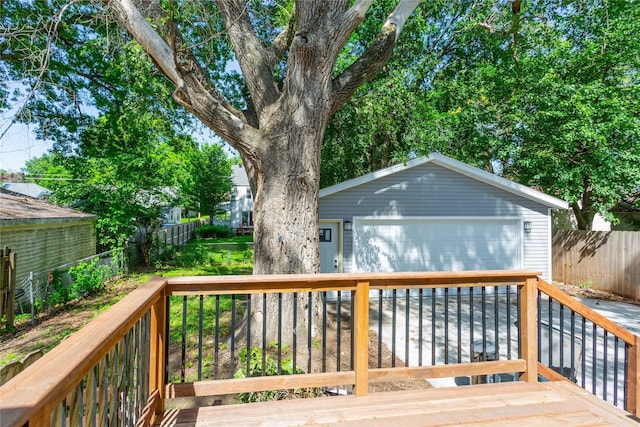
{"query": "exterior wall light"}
(527, 227)
(347, 225)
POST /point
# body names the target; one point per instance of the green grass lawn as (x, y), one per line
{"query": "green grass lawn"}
(52, 326)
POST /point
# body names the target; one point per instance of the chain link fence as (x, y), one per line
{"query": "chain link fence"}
(34, 289)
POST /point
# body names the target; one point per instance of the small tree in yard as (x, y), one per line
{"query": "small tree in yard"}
(210, 183)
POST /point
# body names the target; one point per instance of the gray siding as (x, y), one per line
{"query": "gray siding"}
(48, 243)
(432, 190)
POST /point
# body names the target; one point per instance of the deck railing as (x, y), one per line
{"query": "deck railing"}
(581, 345)
(190, 336)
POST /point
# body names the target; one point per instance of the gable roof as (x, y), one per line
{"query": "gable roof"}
(239, 176)
(14, 207)
(27, 189)
(456, 166)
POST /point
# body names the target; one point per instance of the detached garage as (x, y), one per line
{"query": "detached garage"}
(434, 214)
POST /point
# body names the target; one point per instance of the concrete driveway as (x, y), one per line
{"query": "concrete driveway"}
(625, 314)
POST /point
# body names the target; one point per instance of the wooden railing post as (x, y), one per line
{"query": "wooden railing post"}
(157, 360)
(361, 340)
(633, 378)
(529, 329)
(4, 279)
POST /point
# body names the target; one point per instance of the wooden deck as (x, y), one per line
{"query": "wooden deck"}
(506, 404)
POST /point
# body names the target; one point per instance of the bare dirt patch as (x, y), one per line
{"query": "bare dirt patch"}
(328, 355)
(55, 324)
(588, 292)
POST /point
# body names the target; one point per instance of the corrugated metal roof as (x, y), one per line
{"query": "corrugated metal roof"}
(28, 189)
(23, 207)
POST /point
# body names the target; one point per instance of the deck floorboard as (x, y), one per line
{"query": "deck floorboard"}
(504, 404)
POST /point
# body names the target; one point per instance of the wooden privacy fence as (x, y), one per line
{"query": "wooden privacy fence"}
(7, 285)
(177, 235)
(605, 260)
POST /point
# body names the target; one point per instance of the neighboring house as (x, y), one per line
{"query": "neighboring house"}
(165, 198)
(435, 214)
(628, 212)
(241, 204)
(171, 215)
(44, 235)
(28, 189)
(566, 220)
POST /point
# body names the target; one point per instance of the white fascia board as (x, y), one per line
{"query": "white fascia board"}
(371, 176)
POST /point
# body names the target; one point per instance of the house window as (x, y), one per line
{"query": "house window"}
(325, 234)
(247, 218)
(248, 193)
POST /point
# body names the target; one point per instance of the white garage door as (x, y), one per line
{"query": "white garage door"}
(436, 244)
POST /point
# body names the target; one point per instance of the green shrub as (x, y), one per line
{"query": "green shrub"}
(192, 255)
(87, 278)
(166, 257)
(254, 359)
(84, 278)
(59, 293)
(213, 232)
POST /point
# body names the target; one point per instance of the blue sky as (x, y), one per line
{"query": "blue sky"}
(18, 145)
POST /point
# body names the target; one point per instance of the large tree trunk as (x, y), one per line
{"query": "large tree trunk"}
(286, 224)
(288, 177)
(280, 132)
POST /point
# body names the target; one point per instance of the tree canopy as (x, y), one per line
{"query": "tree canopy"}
(542, 92)
(274, 111)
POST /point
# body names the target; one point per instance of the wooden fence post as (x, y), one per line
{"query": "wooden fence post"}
(157, 362)
(4, 288)
(361, 339)
(165, 238)
(633, 378)
(529, 329)
(12, 289)
(7, 285)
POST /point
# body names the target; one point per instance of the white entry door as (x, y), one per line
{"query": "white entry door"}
(329, 247)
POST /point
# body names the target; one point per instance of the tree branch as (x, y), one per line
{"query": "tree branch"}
(369, 64)
(281, 43)
(135, 23)
(194, 89)
(353, 17)
(252, 56)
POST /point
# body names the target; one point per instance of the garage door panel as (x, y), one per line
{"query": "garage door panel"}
(387, 245)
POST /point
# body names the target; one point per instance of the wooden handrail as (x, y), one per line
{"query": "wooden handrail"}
(586, 312)
(632, 341)
(340, 281)
(38, 389)
(633, 387)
